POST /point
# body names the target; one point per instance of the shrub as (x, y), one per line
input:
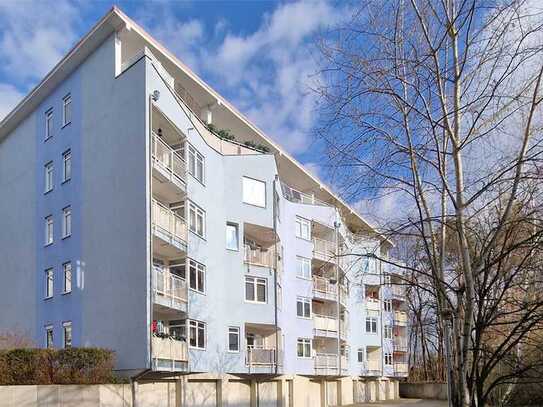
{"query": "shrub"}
(226, 135)
(61, 366)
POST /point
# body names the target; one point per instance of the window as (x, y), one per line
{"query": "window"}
(197, 276)
(387, 332)
(303, 307)
(49, 283)
(48, 124)
(254, 192)
(67, 110)
(387, 305)
(66, 166)
(371, 325)
(232, 241)
(48, 177)
(303, 348)
(196, 219)
(388, 280)
(388, 359)
(197, 334)
(49, 336)
(66, 222)
(67, 337)
(303, 267)
(233, 339)
(255, 289)
(360, 355)
(48, 230)
(178, 328)
(196, 164)
(303, 228)
(67, 268)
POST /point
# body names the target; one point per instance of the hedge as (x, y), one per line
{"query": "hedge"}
(56, 366)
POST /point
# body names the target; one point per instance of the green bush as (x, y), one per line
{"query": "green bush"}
(56, 366)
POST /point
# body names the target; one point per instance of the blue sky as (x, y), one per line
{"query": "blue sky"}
(258, 54)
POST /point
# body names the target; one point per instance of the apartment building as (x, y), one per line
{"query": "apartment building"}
(129, 223)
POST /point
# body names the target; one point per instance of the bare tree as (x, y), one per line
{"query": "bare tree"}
(437, 105)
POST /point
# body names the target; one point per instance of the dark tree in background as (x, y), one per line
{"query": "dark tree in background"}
(435, 107)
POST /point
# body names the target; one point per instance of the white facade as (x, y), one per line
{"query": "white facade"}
(180, 251)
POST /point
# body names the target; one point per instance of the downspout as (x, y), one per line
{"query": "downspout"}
(152, 97)
(276, 238)
(381, 287)
(338, 301)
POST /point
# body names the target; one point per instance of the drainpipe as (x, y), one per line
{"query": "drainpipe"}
(381, 286)
(276, 238)
(338, 303)
(153, 97)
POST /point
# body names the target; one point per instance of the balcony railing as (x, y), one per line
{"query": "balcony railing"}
(400, 318)
(326, 363)
(170, 290)
(257, 356)
(293, 195)
(398, 292)
(168, 225)
(325, 325)
(170, 163)
(259, 257)
(169, 354)
(401, 369)
(372, 367)
(323, 288)
(400, 344)
(323, 249)
(373, 304)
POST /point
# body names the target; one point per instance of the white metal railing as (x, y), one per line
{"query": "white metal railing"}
(398, 291)
(293, 195)
(325, 323)
(323, 287)
(168, 160)
(169, 287)
(373, 304)
(169, 349)
(372, 366)
(168, 224)
(260, 356)
(401, 368)
(323, 249)
(400, 343)
(259, 257)
(400, 317)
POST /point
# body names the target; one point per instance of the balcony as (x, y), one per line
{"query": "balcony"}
(398, 292)
(259, 257)
(293, 195)
(326, 326)
(169, 354)
(323, 250)
(263, 357)
(328, 364)
(169, 229)
(400, 318)
(373, 304)
(169, 290)
(400, 344)
(371, 368)
(401, 369)
(168, 166)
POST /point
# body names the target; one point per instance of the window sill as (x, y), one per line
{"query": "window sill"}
(47, 138)
(305, 357)
(48, 244)
(202, 183)
(196, 348)
(48, 191)
(67, 236)
(256, 302)
(304, 278)
(65, 181)
(197, 235)
(306, 318)
(66, 124)
(304, 239)
(48, 298)
(197, 291)
(254, 205)
(232, 250)
(66, 292)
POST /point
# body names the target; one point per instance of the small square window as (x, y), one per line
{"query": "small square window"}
(303, 348)
(197, 276)
(197, 334)
(303, 228)
(303, 267)
(303, 307)
(233, 339)
(67, 110)
(254, 192)
(255, 289)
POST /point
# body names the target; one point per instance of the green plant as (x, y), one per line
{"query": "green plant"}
(211, 127)
(226, 135)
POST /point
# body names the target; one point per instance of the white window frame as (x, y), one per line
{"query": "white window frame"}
(195, 157)
(304, 301)
(360, 354)
(388, 359)
(303, 267)
(67, 328)
(373, 321)
(251, 189)
(67, 104)
(199, 280)
(387, 305)
(256, 282)
(199, 327)
(49, 124)
(233, 330)
(49, 330)
(66, 222)
(235, 227)
(305, 342)
(387, 332)
(49, 283)
(67, 274)
(193, 220)
(67, 165)
(301, 225)
(49, 230)
(49, 177)
(387, 278)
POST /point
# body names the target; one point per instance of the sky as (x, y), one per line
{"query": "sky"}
(260, 55)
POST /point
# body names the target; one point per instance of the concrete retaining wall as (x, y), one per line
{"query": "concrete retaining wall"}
(206, 390)
(436, 391)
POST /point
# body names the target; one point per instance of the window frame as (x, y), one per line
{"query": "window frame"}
(49, 291)
(198, 325)
(66, 103)
(49, 230)
(387, 332)
(256, 281)
(302, 221)
(194, 156)
(300, 260)
(200, 275)
(66, 222)
(233, 330)
(192, 207)
(67, 164)
(360, 354)
(49, 120)
(372, 321)
(49, 329)
(304, 342)
(304, 301)
(236, 229)
(387, 305)
(388, 355)
(243, 178)
(49, 177)
(67, 266)
(67, 327)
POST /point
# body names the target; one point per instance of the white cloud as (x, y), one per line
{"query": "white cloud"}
(10, 97)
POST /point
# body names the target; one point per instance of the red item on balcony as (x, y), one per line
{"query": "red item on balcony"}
(154, 326)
